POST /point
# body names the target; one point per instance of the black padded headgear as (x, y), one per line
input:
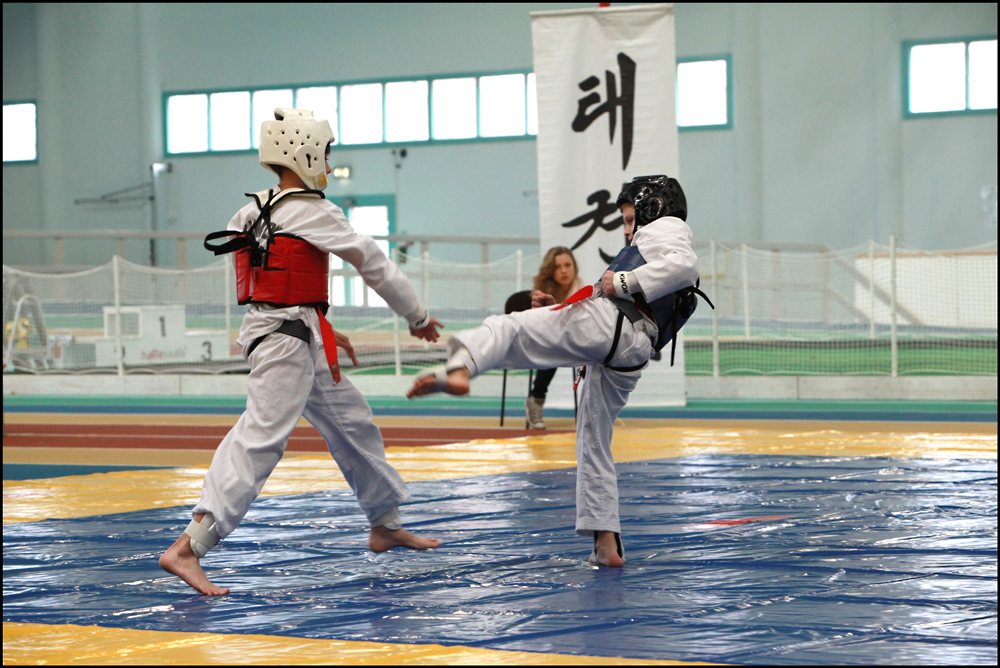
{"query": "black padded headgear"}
(653, 197)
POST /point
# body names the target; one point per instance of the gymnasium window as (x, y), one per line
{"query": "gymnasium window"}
(187, 123)
(501, 105)
(953, 77)
(20, 133)
(361, 114)
(704, 93)
(445, 109)
(223, 133)
(406, 111)
(454, 108)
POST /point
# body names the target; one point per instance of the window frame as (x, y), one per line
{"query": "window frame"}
(907, 45)
(166, 95)
(347, 201)
(385, 116)
(387, 200)
(728, 125)
(34, 161)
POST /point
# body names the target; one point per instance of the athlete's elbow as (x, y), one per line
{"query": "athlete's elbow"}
(690, 273)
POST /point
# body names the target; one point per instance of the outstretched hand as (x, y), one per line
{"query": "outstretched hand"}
(345, 343)
(428, 332)
(540, 299)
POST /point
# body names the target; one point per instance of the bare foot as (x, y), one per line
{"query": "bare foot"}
(179, 560)
(458, 384)
(607, 550)
(381, 539)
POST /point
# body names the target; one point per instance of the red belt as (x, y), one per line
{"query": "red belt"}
(330, 344)
(577, 296)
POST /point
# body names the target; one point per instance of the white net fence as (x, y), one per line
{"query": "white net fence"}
(187, 320)
(868, 310)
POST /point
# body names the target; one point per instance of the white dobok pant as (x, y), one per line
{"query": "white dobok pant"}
(290, 379)
(580, 334)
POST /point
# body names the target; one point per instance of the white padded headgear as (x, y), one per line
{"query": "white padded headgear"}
(297, 141)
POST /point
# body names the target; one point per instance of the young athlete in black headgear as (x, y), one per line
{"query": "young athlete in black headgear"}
(612, 327)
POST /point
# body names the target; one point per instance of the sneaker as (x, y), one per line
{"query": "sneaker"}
(533, 411)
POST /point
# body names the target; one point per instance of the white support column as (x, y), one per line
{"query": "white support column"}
(825, 284)
(396, 349)
(893, 342)
(746, 294)
(119, 350)
(227, 271)
(715, 312)
(484, 256)
(520, 270)
(776, 279)
(871, 289)
(425, 259)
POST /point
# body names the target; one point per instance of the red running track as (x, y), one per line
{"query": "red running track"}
(183, 437)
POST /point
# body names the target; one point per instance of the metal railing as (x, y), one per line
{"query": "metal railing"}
(181, 240)
(780, 308)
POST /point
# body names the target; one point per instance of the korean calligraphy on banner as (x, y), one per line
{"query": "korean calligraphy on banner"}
(605, 79)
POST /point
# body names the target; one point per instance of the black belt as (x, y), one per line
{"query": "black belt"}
(632, 310)
(296, 328)
(614, 349)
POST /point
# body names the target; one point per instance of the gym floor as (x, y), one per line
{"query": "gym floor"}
(754, 532)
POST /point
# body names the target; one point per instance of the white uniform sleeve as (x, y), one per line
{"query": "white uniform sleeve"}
(324, 225)
(667, 246)
(239, 221)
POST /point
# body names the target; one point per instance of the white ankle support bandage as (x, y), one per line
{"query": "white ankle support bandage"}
(203, 535)
(461, 360)
(390, 520)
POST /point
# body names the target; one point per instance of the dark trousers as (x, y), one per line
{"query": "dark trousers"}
(541, 385)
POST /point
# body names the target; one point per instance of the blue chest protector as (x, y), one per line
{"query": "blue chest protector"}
(670, 311)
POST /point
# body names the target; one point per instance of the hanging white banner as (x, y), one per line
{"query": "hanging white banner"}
(605, 79)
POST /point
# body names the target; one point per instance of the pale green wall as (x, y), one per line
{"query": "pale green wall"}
(22, 205)
(818, 151)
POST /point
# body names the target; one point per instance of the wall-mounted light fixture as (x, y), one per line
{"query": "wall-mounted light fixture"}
(343, 172)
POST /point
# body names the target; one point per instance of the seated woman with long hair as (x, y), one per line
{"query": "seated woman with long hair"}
(558, 276)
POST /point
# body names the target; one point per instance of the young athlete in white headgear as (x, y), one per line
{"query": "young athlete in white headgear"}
(282, 242)
(613, 327)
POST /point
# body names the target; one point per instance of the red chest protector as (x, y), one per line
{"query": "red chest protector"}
(280, 269)
(291, 272)
(274, 267)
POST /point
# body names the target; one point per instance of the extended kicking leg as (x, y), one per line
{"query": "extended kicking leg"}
(452, 378)
(537, 339)
(440, 379)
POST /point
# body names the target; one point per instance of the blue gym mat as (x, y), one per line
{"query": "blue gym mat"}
(852, 561)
